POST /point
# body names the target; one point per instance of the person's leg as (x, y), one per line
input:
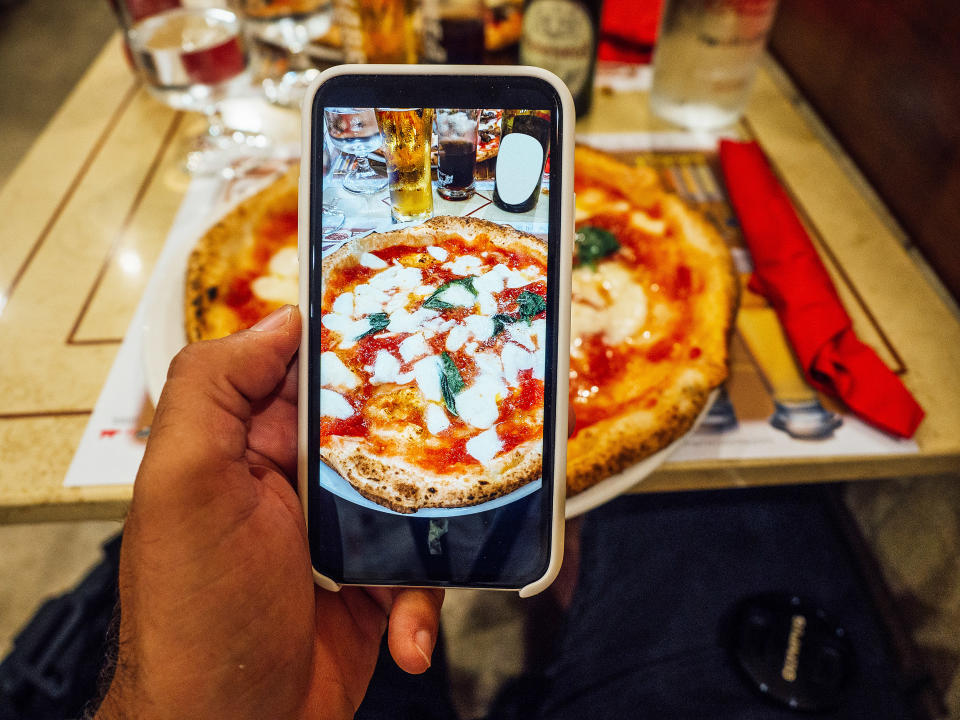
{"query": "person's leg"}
(395, 695)
(657, 576)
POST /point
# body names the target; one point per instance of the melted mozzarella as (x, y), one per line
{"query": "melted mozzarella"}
(539, 364)
(438, 253)
(436, 418)
(397, 277)
(538, 332)
(344, 304)
(368, 300)
(477, 404)
(274, 288)
(458, 296)
(492, 280)
(403, 321)
(347, 328)
(333, 404)
(386, 369)
(487, 302)
(333, 373)
(427, 374)
(284, 262)
(480, 326)
(593, 309)
(464, 265)
(519, 278)
(413, 347)
(652, 226)
(519, 332)
(485, 446)
(371, 261)
(457, 337)
(515, 359)
(488, 363)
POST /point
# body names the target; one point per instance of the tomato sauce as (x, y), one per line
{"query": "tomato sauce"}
(447, 451)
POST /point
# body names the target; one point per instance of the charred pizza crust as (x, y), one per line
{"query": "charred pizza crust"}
(228, 250)
(391, 480)
(655, 403)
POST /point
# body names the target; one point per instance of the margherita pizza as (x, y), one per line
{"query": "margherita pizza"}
(431, 364)
(653, 298)
(245, 266)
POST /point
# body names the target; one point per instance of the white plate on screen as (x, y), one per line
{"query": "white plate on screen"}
(332, 481)
(606, 490)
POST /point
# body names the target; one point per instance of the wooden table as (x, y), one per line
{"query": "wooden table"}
(87, 211)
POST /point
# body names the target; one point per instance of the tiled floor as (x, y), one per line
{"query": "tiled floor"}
(914, 526)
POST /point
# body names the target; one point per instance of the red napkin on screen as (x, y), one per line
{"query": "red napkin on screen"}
(788, 272)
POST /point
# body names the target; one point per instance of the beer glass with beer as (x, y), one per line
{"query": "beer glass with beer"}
(406, 147)
(456, 152)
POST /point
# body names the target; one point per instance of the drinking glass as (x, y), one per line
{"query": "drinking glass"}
(290, 42)
(192, 57)
(705, 60)
(406, 146)
(378, 31)
(354, 131)
(457, 152)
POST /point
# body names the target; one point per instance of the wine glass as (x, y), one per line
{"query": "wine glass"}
(192, 58)
(354, 131)
(290, 40)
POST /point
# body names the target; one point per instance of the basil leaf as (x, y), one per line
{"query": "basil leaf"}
(451, 382)
(530, 305)
(378, 322)
(594, 243)
(435, 303)
(500, 321)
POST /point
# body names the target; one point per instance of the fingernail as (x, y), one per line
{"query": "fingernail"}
(423, 641)
(275, 320)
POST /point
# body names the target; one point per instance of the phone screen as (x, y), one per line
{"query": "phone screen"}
(435, 211)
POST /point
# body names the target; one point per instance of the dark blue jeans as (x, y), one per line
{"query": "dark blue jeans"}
(645, 634)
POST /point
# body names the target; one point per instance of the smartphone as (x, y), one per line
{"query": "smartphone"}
(436, 222)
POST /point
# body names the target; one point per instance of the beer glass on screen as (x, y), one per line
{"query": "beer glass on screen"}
(192, 58)
(354, 131)
(456, 152)
(406, 146)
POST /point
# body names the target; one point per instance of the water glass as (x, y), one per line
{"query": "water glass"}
(706, 57)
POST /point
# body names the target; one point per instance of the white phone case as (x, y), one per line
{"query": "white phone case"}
(562, 360)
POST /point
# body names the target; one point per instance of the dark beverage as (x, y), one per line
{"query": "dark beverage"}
(455, 165)
(462, 40)
(520, 163)
(561, 36)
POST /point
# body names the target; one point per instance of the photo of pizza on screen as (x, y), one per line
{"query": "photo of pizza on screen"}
(433, 325)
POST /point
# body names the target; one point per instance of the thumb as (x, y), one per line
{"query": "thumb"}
(200, 427)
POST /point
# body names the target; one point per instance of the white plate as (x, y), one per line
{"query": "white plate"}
(618, 484)
(163, 320)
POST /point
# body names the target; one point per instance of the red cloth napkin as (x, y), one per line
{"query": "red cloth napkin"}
(788, 272)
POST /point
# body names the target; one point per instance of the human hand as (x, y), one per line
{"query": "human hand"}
(220, 617)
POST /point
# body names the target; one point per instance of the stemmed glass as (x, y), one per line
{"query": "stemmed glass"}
(354, 131)
(192, 58)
